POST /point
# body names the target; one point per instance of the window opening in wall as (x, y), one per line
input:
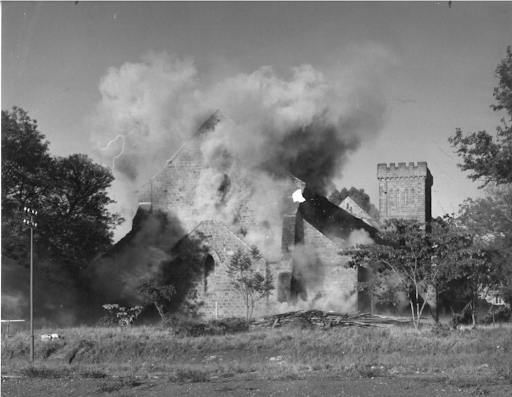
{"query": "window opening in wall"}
(406, 201)
(209, 267)
(412, 196)
(223, 190)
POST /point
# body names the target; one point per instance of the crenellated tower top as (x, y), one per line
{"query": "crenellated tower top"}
(405, 191)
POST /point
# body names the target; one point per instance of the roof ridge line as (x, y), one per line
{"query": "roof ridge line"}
(182, 146)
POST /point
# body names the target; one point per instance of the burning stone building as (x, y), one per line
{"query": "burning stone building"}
(228, 205)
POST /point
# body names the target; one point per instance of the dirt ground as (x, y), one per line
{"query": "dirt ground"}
(310, 386)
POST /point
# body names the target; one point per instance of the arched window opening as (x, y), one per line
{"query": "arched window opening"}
(412, 197)
(224, 187)
(406, 200)
(209, 268)
(397, 197)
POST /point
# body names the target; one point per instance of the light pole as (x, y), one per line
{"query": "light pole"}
(29, 221)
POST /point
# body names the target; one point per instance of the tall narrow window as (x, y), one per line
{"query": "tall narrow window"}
(412, 196)
(406, 201)
(397, 197)
(209, 267)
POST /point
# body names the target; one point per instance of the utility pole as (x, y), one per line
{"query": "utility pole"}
(29, 221)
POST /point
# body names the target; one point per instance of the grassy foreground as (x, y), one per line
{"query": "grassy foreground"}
(480, 356)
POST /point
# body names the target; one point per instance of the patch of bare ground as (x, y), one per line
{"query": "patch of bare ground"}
(302, 386)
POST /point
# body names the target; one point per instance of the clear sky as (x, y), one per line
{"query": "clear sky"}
(433, 66)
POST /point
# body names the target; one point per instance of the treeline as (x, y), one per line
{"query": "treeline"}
(69, 194)
(464, 257)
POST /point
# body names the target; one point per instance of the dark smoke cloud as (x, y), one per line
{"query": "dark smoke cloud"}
(141, 254)
(56, 299)
(308, 124)
(60, 301)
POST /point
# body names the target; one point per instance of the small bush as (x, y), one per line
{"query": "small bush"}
(462, 318)
(117, 316)
(502, 315)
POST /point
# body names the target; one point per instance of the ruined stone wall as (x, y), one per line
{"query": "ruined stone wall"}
(405, 191)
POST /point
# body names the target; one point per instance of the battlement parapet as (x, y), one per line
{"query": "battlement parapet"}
(402, 170)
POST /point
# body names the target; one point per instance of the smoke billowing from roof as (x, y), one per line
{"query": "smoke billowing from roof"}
(308, 124)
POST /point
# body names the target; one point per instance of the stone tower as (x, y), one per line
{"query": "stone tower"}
(405, 191)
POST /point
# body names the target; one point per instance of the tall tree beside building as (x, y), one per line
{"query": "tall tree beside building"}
(69, 193)
(490, 218)
(490, 157)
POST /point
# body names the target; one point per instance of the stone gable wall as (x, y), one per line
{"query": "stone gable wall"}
(351, 206)
(221, 298)
(173, 188)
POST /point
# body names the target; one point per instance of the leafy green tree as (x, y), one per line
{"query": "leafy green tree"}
(25, 158)
(467, 269)
(69, 194)
(490, 220)
(490, 157)
(406, 258)
(442, 265)
(251, 284)
(77, 202)
(156, 295)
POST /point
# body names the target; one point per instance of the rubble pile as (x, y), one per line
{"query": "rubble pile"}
(328, 319)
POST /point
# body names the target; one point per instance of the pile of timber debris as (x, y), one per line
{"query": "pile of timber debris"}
(328, 319)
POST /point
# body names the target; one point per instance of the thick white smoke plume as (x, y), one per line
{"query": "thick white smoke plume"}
(308, 124)
(355, 238)
(316, 286)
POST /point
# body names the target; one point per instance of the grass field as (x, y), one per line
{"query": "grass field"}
(482, 355)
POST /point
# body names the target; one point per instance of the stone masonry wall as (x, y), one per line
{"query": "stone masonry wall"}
(351, 206)
(221, 298)
(338, 281)
(405, 191)
(173, 188)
